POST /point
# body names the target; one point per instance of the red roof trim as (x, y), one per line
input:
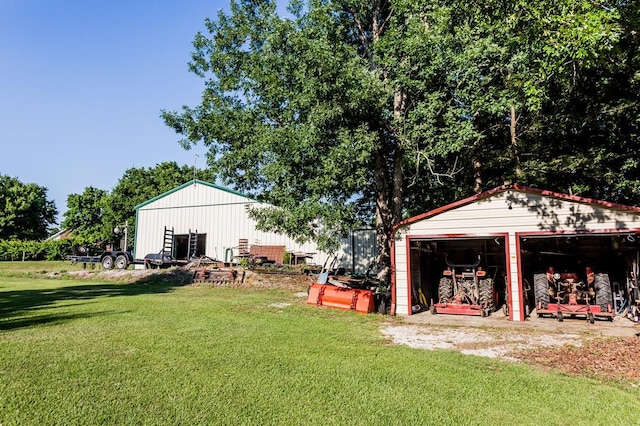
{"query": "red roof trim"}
(517, 188)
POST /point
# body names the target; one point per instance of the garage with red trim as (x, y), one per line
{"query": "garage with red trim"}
(508, 239)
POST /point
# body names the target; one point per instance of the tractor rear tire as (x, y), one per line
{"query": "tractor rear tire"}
(445, 290)
(541, 290)
(485, 291)
(602, 287)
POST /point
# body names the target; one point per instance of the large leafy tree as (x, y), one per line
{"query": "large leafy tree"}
(303, 112)
(25, 212)
(516, 70)
(524, 66)
(602, 118)
(85, 214)
(95, 213)
(345, 109)
(138, 185)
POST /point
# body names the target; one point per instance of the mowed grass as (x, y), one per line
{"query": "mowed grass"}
(150, 352)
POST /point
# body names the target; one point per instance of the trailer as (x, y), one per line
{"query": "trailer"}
(108, 259)
(120, 259)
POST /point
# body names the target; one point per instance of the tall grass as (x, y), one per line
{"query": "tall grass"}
(92, 352)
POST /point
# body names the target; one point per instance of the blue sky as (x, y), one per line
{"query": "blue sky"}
(82, 83)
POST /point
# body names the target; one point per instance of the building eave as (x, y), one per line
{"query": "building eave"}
(516, 188)
(186, 185)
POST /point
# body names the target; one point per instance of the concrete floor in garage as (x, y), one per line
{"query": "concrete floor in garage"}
(619, 327)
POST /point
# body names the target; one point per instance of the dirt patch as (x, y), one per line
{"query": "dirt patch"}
(171, 275)
(295, 281)
(572, 348)
(298, 282)
(473, 341)
(610, 358)
(113, 273)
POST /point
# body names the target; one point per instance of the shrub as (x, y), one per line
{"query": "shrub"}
(19, 250)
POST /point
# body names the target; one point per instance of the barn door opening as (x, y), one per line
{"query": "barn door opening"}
(186, 246)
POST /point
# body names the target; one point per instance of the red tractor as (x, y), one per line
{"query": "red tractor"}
(562, 294)
(464, 289)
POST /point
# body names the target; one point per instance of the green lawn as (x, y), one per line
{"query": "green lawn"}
(98, 352)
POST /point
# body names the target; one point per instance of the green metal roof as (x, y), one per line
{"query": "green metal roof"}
(187, 184)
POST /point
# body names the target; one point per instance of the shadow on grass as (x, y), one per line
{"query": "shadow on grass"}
(20, 322)
(18, 307)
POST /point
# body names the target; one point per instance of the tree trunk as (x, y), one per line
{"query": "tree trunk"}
(383, 215)
(389, 181)
(388, 174)
(513, 123)
(477, 175)
(476, 165)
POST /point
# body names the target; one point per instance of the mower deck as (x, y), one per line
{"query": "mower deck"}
(560, 310)
(458, 309)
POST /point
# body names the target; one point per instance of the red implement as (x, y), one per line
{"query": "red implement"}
(458, 309)
(342, 298)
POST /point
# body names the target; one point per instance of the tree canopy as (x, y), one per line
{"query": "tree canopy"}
(138, 185)
(25, 212)
(96, 212)
(349, 111)
(85, 214)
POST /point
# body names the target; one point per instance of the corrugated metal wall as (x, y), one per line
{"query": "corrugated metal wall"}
(359, 250)
(508, 212)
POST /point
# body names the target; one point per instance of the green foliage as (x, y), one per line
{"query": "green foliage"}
(540, 85)
(21, 250)
(94, 214)
(516, 72)
(25, 212)
(138, 185)
(346, 112)
(295, 116)
(85, 214)
(55, 249)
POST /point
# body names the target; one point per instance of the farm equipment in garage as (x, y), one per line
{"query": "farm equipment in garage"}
(565, 294)
(626, 297)
(464, 289)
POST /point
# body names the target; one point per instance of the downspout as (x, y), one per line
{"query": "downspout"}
(353, 252)
(135, 236)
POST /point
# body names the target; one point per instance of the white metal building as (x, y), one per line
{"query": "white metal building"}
(219, 218)
(217, 215)
(518, 231)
